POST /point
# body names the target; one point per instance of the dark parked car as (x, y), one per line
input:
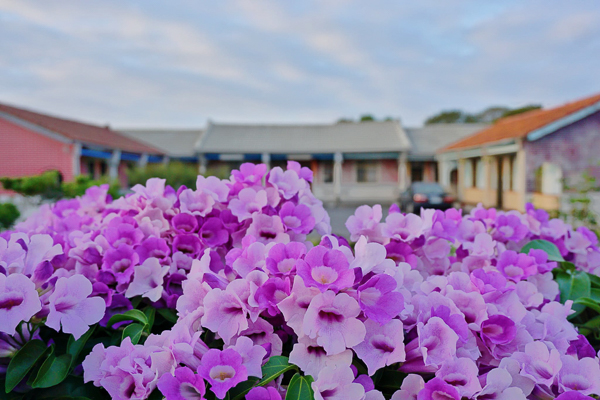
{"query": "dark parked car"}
(425, 195)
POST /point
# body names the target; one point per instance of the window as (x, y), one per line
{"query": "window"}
(416, 172)
(479, 174)
(366, 171)
(469, 179)
(327, 172)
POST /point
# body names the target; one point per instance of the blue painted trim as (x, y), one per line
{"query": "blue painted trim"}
(212, 156)
(96, 153)
(155, 159)
(130, 157)
(186, 159)
(323, 156)
(371, 156)
(279, 157)
(253, 157)
(561, 123)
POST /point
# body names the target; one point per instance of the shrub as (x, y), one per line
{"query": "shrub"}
(9, 213)
(215, 292)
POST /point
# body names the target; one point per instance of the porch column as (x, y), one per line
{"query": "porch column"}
(166, 160)
(76, 159)
(338, 159)
(402, 172)
(266, 159)
(113, 171)
(143, 161)
(202, 164)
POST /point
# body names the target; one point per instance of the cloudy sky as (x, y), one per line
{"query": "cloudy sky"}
(175, 63)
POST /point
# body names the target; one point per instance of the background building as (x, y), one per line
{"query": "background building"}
(528, 157)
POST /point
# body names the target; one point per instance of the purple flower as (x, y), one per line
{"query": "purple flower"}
(580, 375)
(252, 355)
(188, 244)
(196, 202)
(223, 370)
(462, 374)
(378, 299)
(185, 223)
(282, 258)
(539, 363)
(153, 247)
(325, 269)
(366, 221)
(295, 305)
(297, 218)
(148, 280)
(402, 227)
(572, 395)
(337, 384)
(127, 371)
(225, 313)
(71, 308)
(120, 232)
(331, 319)
(288, 183)
(411, 386)
(249, 173)
(248, 202)
(120, 262)
(498, 329)
(263, 393)
(437, 341)
(516, 266)
(266, 228)
(212, 185)
(509, 227)
(213, 232)
(312, 358)
(19, 301)
(383, 345)
(185, 385)
(438, 389)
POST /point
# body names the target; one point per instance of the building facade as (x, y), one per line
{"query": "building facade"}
(531, 157)
(32, 143)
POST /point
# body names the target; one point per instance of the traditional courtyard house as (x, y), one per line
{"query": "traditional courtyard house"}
(425, 143)
(32, 143)
(352, 162)
(527, 157)
(177, 144)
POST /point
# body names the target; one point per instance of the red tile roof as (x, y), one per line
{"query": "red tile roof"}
(518, 126)
(81, 132)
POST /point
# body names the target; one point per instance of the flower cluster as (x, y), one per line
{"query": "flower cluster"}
(447, 302)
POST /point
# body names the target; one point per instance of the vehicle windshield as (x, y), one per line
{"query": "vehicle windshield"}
(427, 188)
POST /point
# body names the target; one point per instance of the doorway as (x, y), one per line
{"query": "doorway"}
(499, 184)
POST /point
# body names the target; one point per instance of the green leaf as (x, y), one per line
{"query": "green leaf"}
(595, 294)
(276, 366)
(74, 347)
(241, 389)
(168, 314)
(572, 287)
(150, 314)
(130, 315)
(595, 279)
(22, 362)
(134, 331)
(549, 247)
(587, 302)
(299, 388)
(53, 371)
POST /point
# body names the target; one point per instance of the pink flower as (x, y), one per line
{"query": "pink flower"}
(325, 269)
(331, 319)
(223, 370)
(71, 308)
(266, 228)
(19, 301)
(437, 341)
(295, 305)
(148, 280)
(366, 222)
(184, 385)
(337, 384)
(248, 202)
(288, 183)
(312, 358)
(196, 202)
(403, 227)
(263, 393)
(383, 345)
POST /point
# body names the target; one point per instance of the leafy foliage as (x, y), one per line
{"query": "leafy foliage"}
(9, 213)
(490, 114)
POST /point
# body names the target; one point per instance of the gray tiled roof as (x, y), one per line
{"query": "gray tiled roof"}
(427, 140)
(174, 142)
(347, 137)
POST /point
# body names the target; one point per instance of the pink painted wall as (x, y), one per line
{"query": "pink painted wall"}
(24, 152)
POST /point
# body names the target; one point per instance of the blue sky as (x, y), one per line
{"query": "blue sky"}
(178, 63)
